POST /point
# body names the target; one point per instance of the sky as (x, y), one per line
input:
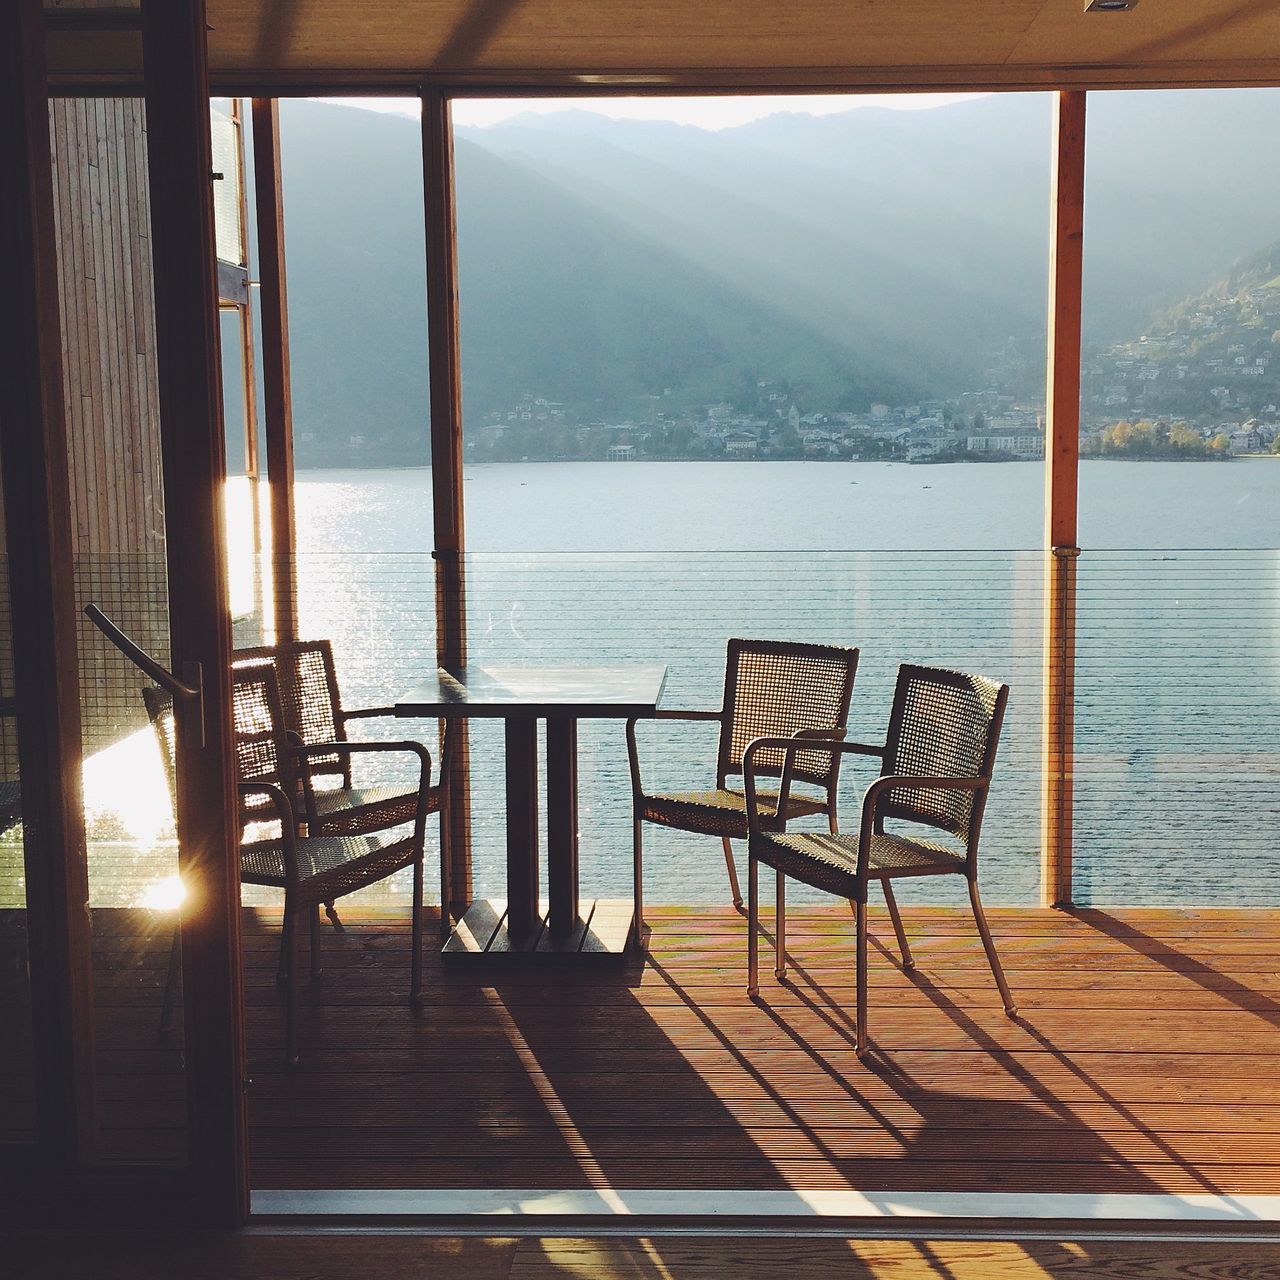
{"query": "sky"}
(705, 112)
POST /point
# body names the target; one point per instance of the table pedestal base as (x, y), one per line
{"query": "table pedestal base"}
(604, 929)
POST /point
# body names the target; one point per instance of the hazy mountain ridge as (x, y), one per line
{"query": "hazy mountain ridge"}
(869, 255)
(1212, 359)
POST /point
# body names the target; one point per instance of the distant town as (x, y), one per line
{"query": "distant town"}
(1204, 385)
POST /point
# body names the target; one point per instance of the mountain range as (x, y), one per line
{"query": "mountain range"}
(868, 255)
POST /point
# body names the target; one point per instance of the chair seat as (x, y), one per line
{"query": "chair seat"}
(831, 862)
(348, 811)
(328, 866)
(722, 812)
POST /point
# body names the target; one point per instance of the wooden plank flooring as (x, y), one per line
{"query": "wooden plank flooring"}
(1145, 1060)
(155, 1256)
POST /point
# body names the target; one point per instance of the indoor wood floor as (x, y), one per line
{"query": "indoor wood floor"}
(148, 1256)
(1145, 1060)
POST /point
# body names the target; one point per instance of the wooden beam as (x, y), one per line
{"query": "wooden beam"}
(179, 167)
(1062, 461)
(33, 457)
(445, 365)
(276, 380)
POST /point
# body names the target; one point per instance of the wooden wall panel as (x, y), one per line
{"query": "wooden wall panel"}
(105, 276)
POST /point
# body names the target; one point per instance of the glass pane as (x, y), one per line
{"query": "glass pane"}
(1178, 701)
(227, 195)
(118, 539)
(765, 322)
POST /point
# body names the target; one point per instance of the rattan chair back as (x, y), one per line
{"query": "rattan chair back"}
(308, 690)
(943, 724)
(773, 688)
(260, 742)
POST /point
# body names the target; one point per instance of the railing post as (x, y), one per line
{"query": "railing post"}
(445, 368)
(1062, 460)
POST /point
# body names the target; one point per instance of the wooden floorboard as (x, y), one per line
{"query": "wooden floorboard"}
(1145, 1059)
(154, 1256)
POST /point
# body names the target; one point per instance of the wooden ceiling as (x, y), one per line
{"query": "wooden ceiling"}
(715, 43)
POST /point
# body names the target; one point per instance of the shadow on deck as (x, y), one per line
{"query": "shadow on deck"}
(1144, 1060)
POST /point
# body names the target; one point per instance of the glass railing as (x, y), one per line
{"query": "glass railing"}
(1177, 711)
(976, 611)
(1178, 728)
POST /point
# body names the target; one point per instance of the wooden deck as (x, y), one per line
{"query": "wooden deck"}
(1146, 1060)
(159, 1256)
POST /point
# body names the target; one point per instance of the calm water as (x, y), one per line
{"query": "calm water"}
(794, 506)
(1178, 698)
(1179, 672)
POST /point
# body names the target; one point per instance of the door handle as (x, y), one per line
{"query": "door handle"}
(189, 690)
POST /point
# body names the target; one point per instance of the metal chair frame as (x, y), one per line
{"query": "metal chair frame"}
(310, 869)
(905, 796)
(730, 823)
(343, 810)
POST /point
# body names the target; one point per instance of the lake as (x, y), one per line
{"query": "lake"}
(795, 506)
(1178, 703)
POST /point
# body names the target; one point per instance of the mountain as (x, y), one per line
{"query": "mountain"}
(624, 267)
(1212, 359)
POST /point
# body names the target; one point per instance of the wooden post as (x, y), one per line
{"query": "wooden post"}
(1062, 459)
(33, 457)
(277, 387)
(175, 61)
(446, 459)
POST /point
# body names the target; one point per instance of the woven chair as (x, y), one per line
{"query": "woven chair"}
(935, 773)
(313, 711)
(771, 687)
(310, 869)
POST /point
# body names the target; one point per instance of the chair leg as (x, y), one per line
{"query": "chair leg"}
(860, 925)
(333, 918)
(313, 914)
(637, 879)
(446, 881)
(908, 961)
(284, 965)
(291, 990)
(753, 923)
(415, 935)
(989, 946)
(170, 985)
(733, 872)
(780, 929)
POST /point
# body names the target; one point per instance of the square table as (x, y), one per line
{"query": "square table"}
(521, 696)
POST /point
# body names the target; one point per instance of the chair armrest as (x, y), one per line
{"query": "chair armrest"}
(285, 816)
(366, 748)
(364, 713)
(892, 782)
(633, 752)
(807, 740)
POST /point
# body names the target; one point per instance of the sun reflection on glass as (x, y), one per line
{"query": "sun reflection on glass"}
(125, 788)
(163, 895)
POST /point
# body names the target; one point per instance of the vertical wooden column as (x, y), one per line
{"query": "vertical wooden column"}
(33, 445)
(277, 387)
(1062, 460)
(175, 59)
(446, 460)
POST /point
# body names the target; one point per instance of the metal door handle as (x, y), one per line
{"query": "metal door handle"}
(190, 689)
